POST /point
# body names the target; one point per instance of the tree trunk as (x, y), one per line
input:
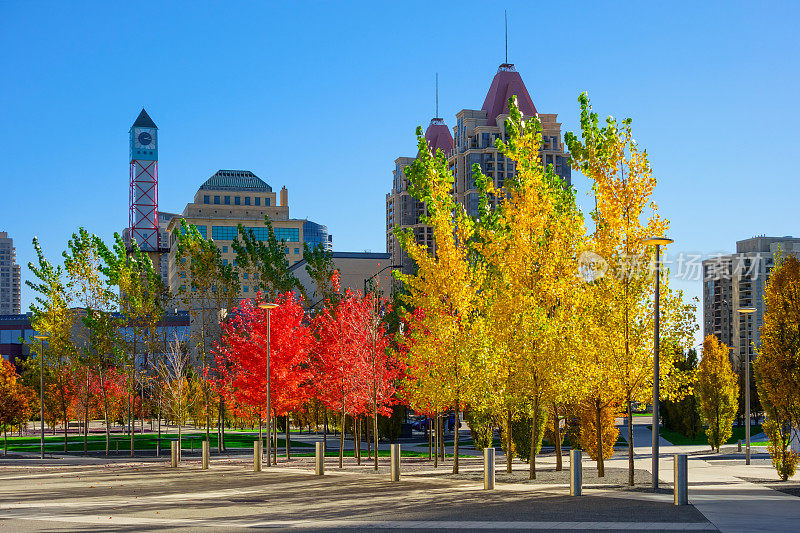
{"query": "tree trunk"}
(130, 418)
(429, 431)
(509, 455)
(288, 441)
(436, 440)
(534, 437)
(105, 411)
(601, 471)
(441, 435)
(357, 439)
(557, 437)
(158, 442)
(455, 440)
(66, 430)
(86, 416)
(630, 442)
(274, 439)
(375, 436)
(325, 429)
(261, 437)
(341, 440)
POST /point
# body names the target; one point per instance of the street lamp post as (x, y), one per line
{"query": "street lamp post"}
(746, 311)
(41, 387)
(657, 242)
(378, 272)
(269, 307)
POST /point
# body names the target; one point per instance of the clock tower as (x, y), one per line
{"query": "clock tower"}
(143, 199)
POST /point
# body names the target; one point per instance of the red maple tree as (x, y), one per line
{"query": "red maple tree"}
(242, 357)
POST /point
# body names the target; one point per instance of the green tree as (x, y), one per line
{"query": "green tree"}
(212, 291)
(140, 300)
(717, 390)
(51, 316)
(321, 269)
(265, 261)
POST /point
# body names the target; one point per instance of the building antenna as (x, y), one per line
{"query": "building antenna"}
(505, 13)
(437, 95)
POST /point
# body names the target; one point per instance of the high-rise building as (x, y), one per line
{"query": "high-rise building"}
(229, 198)
(734, 281)
(472, 143)
(10, 279)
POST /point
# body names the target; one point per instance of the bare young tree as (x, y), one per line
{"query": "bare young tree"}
(172, 371)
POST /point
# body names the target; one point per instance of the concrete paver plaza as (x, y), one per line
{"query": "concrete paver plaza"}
(75, 493)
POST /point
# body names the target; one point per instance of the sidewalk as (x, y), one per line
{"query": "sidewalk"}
(717, 488)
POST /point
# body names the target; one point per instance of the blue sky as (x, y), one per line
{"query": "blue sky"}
(323, 96)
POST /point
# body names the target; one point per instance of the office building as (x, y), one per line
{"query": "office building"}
(734, 281)
(10, 279)
(232, 197)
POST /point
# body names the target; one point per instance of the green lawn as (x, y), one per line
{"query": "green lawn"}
(738, 434)
(147, 441)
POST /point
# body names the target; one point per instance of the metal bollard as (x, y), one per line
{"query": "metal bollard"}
(319, 458)
(739, 446)
(681, 470)
(395, 462)
(575, 473)
(257, 456)
(206, 454)
(173, 449)
(488, 468)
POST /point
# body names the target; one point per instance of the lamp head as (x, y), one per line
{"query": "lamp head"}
(267, 305)
(41, 337)
(747, 310)
(656, 240)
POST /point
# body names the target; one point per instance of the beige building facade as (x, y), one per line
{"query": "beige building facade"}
(229, 198)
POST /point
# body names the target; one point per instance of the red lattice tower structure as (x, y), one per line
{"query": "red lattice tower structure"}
(143, 196)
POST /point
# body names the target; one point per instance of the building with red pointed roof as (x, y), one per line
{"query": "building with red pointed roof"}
(473, 143)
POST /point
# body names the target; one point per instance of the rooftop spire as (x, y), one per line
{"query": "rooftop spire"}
(505, 13)
(437, 96)
(144, 121)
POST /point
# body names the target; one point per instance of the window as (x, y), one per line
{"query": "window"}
(297, 251)
(224, 261)
(246, 200)
(216, 199)
(246, 289)
(237, 201)
(206, 199)
(266, 201)
(224, 249)
(246, 275)
(258, 200)
(227, 200)
(223, 233)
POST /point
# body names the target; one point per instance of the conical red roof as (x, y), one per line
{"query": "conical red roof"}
(438, 136)
(507, 83)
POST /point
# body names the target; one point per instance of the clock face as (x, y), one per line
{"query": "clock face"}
(144, 138)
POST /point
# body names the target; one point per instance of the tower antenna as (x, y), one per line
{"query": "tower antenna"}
(437, 95)
(505, 13)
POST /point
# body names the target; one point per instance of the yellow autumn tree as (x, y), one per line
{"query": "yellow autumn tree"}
(777, 367)
(717, 390)
(621, 299)
(529, 243)
(443, 291)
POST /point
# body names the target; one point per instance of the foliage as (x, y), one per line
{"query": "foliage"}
(783, 458)
(594, 415)
(16, 400)
(481, 428)
(265, 261)
(521, 431)
(777, 367)
(681, 414)
(320, 267)
(717, 390)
